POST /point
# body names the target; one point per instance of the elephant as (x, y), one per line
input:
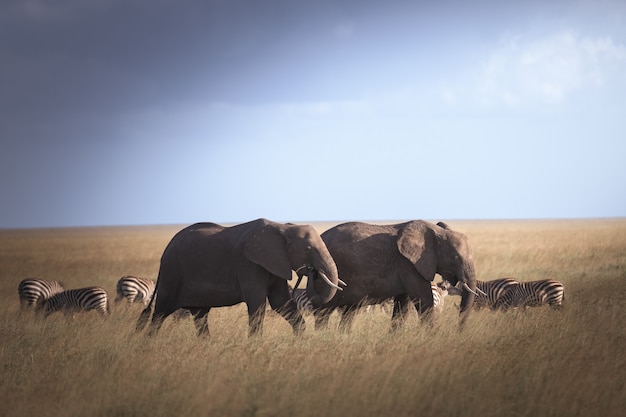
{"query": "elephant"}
(396, 261)
(207, 265)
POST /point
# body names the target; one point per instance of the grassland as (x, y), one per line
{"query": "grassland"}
(540, 362)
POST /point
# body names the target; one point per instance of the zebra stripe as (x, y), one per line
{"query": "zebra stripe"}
(492, 292)
(81, 299)
(33, 291)
(439, 292)
(494, 289)
(134, 289)
(299, 297)
(534, 294)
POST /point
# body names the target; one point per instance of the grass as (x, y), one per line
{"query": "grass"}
(534, 363)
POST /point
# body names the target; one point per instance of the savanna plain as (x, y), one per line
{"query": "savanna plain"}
(538, 362)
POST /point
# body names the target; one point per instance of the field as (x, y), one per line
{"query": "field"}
(540, 362)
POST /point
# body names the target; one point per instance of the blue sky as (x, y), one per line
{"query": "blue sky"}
(156, 112)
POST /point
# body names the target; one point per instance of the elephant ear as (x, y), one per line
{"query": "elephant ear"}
(268, 248)
(416, 242)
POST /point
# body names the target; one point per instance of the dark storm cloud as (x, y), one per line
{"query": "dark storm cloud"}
(79, 56)
(108, 56)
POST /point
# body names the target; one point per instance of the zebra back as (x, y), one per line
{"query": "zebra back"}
(33, 291)
(81, 299)
(134, 289)
(495, 289)
(535, 294)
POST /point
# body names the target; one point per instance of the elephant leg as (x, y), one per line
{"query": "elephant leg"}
(287, 309)
(424, 310)
(155, 324)
(161, 312)
(347, 318)
(200, 320)
(256, 315)
(290, 312)
(143, 319)
(400, 311)
(424, 302)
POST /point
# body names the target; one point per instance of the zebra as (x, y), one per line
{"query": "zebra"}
(33, 291)
(298, 295)
(81, 299)
(134, 289)
(490, 294)
(534, 294)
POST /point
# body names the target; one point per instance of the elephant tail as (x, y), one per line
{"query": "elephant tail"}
(145, 314)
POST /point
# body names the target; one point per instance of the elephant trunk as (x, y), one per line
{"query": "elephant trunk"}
(467, 277)
(322, 281)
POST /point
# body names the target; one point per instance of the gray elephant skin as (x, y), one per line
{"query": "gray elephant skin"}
(207, 265)
(399, 261)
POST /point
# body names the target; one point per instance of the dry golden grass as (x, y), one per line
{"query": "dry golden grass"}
(535, 363)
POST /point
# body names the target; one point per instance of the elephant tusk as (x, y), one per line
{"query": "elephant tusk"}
(342, 283)
(466, 287)
(481, 292)
(329, 282)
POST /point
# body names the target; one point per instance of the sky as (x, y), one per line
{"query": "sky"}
(133, 112)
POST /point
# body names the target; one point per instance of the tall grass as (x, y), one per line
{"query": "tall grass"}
(534, 363)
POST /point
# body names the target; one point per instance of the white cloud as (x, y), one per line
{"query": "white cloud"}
(523, 71)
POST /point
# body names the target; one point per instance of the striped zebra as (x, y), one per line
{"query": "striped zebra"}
(33, 291)
(81, 299)
(534, 294)
(299, 297)
(490, 294)
(134, 289)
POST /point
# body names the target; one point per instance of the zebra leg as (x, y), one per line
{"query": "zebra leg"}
(105, 309)
(504, 302)
(129, 302)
